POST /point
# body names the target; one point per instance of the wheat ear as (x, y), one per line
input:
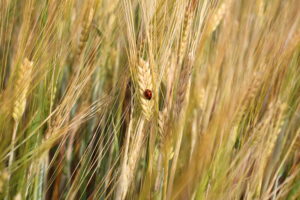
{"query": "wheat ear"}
(84, 35)
(187, 23)
(278, 128)
(218, 16)
(270, 146)
(184, 83)
(252, 90)
(144, 80)
(21, 91)
(162, 117)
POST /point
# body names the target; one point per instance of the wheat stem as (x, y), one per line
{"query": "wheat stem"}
(129, 162)
(181, 104)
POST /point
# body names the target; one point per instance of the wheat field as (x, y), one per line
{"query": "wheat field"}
(150, 99)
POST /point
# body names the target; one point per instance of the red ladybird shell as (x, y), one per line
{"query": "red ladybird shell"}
(148, 94)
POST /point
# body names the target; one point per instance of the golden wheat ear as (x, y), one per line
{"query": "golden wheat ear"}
(218, 16)
(187, 25)
(184, 82)
(21, 89)
(144, 79)
(84, 35)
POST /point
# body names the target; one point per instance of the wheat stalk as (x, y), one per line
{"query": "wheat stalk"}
(123, 180)
(131, 156)
(180, 106)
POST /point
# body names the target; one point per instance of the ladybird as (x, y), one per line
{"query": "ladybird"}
(148, 94)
